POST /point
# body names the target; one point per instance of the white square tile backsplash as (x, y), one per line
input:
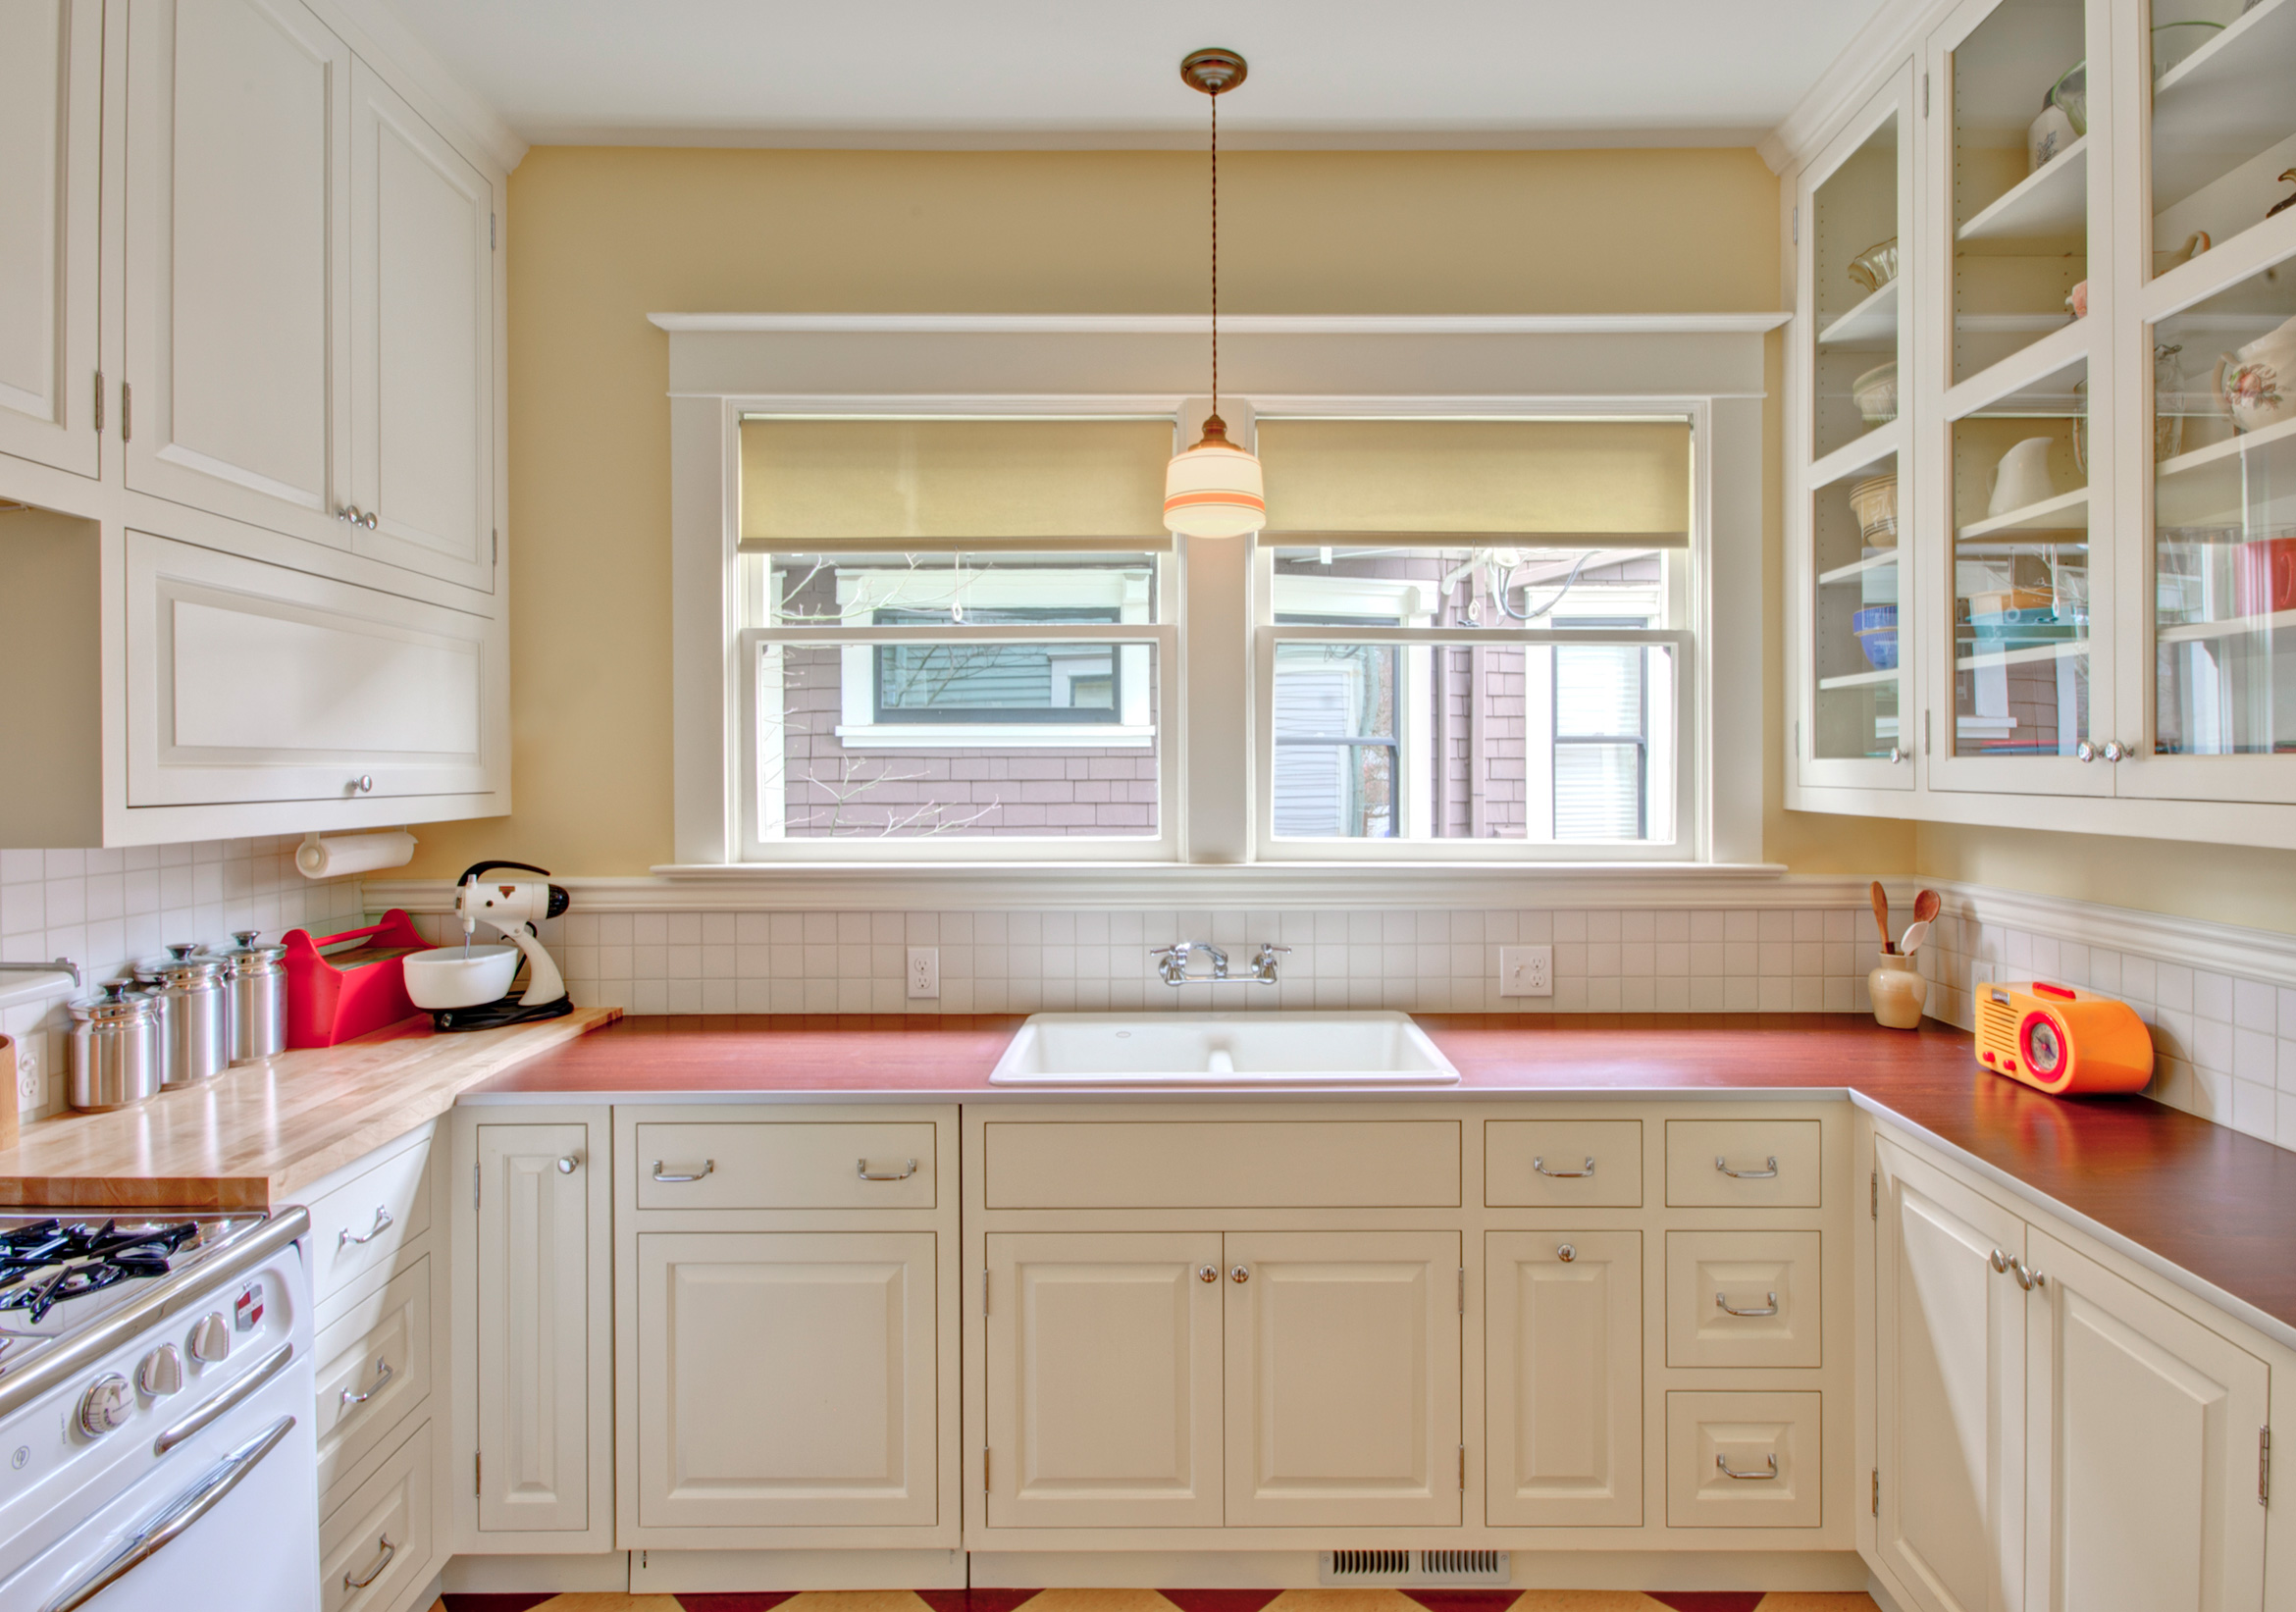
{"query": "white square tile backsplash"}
(106, 909)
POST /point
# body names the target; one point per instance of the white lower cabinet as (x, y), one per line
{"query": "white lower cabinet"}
(786, 1379)
(376, 1546)
(1743, 1459)
(1563, 1379)
(2051, 1437)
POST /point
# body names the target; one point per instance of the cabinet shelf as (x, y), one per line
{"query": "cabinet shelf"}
(2230, 96)
(1858, 568)
(2199, 632)
(1870, 326)
(2018, 657)
(1859, 680)
(2048, 209)
(2067, 512)
(2209, 486)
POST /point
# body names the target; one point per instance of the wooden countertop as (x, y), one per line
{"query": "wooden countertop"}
(2206, 1204)
(259, 1134)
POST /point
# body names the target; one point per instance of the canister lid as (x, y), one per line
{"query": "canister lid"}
(247, 958)
(120, 1004)
(181, 968)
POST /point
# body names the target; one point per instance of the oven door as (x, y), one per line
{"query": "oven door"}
(226, 1522)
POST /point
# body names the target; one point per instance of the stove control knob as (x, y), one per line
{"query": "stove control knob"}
(211, 1339)
(106, 1406)
(162, 1372)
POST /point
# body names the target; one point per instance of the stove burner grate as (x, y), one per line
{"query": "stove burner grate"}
(45, 1263)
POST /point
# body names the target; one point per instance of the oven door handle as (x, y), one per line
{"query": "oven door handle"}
(172, 1523)
(200, 1419)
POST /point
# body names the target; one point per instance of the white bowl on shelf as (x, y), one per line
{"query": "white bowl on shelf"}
(445, 977)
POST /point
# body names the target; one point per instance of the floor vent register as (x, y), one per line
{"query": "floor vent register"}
(1415, 1567)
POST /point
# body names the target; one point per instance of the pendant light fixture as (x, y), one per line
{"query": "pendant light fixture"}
(1214, 489)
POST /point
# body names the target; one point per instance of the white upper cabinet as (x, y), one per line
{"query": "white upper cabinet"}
(51, 128)
(237, 273)
(421, 356)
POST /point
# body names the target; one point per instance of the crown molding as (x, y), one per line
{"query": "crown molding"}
(1188, 324)
(1876, 49)
(1183, 139)
(375, 29)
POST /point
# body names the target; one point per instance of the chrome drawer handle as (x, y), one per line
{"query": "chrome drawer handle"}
(350, 1238)
(1723, 1305)
(861, 1168)
(708, 1166)
(2028, 1279)
(383, 1374)
(1765, 1173)
(1722, 1461)
(1539, 1165)
(375, 1572)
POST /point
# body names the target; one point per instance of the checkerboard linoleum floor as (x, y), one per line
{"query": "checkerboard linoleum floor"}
(1175, 1600)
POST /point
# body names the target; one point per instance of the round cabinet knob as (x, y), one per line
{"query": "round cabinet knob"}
(1566, 1253)
(567, 1166)
(1896, 754)
(348, 512)
(368, 520)
(364, 783)
(162, 1372)
(211, 1339)
(2085, 750)
(106, 1406)
(2115, 751)
(1210, 1272)
(1242, 1273)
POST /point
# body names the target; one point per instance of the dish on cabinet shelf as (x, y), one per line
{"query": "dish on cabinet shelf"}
(1876, 266)
(1876, 393)
(2256, 385)
(1874, 503)
(1876, 628)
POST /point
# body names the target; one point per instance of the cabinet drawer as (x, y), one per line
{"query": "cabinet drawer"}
(1407, 1163)
(773, 1166)
(1719, 1284)
(1732, 1164)
(361, 1225)
(1770, 1440)
(374, 1369)
(381, 1533)
(1577, 1163)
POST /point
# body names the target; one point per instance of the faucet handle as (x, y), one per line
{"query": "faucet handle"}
(1264, 961)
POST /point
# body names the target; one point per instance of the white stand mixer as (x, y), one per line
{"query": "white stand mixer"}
(470, 989)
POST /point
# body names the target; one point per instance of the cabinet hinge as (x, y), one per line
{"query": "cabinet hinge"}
(99, 406)
(478, 1472)
(490, 232)
(984, 1286)
(1462, 1468)
(1877, 1491)
(1927, 748)
(126, 412)
(1462, 1289)
(984, 1469)
(1925, 95)
(2263, 1466)
(477, 1176)
(1798, 225)
(1873, 1194)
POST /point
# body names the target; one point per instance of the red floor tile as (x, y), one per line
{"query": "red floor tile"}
(740, 1601)
(1708, 1600)
(1219, 1600)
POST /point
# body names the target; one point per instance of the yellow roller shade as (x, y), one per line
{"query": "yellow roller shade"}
(840, 480)
(1584, 480)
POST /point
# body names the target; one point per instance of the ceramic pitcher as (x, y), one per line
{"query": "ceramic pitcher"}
(2023, 476)
(2256, 386)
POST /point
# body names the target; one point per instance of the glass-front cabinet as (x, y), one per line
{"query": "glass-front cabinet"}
(1852, 594)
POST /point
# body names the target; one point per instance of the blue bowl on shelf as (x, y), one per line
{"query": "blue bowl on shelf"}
(1877, 635)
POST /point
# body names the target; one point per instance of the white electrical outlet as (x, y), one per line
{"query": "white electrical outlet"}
(924, 973)
(28, 1070)
(1526, 970)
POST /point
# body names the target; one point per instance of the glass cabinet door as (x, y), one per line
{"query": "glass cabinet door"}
(2018, 175)
(2221, 144)
(1854, 205)
(2223, 551)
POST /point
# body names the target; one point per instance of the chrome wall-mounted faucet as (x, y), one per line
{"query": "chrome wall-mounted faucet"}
(1173, 963)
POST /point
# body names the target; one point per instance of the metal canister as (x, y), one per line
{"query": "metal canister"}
(195, 1015)
(257, 976)
(115, 1049)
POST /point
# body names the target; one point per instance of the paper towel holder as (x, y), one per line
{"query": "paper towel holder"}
(336, 856)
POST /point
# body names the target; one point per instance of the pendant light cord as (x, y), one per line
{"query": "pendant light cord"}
(1215, 254)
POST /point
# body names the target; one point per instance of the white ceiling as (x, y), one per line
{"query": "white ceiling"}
(1105, 73)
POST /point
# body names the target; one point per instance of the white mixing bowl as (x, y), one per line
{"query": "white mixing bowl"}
(447, 979)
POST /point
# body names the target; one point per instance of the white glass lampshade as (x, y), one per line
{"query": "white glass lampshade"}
(1214, 489)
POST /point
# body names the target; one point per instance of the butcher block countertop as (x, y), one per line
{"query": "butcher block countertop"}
(2204, 1205)
(259, 1134)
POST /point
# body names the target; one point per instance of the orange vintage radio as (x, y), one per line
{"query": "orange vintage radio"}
(2063, 1040)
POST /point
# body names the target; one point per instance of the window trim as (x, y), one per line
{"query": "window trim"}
(1708, 367)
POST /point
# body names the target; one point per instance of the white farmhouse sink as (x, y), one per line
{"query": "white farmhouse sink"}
(1262, 1049)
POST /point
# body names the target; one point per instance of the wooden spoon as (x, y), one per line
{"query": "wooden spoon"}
(1881, 915)
(1926, 906)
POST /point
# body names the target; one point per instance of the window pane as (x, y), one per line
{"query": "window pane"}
(951, 588)
(1464, 741)
(904, 741)
(1406, 586)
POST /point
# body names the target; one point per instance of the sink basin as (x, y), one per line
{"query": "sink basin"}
(1267, 1049)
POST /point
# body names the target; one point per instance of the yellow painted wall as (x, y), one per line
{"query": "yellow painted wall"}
(2196, 879)
(599, 238)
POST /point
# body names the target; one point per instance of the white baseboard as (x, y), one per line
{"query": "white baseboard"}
(670, 1571)
(512, 1575)
(1805, 1571)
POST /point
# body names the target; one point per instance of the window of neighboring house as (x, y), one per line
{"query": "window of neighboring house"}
(949, 635)
(1483, 639)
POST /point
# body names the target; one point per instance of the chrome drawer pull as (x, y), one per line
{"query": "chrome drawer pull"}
(2028, 1279)
(1723, 1305)
(1539, 1165)
(708, 1166)
(861, 1168)
(375, 1572)
(383, 1223)
(1723, 1463)
(382, 1375)
(1763, 1175)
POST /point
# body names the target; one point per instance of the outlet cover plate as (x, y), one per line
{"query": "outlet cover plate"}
(924, 973)
(1526, 970)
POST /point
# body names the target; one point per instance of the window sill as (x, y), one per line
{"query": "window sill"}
(995, 736)
(1188, 887)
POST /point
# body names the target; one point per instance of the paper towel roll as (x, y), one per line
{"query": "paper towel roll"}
(333, 856)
